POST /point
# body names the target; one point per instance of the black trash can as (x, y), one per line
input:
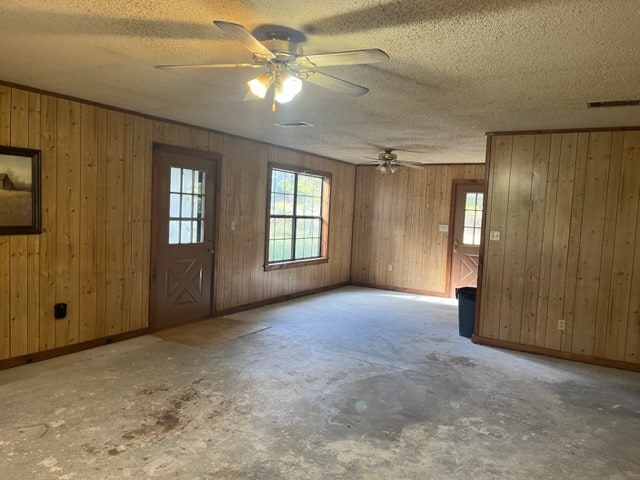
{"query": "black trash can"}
(466, 310)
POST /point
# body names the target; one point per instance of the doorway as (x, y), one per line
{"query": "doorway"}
(464, 241)
(182, 241)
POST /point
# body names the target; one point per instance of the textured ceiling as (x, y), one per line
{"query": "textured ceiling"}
(457, 69)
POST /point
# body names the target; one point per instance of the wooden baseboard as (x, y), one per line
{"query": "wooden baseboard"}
(576, 357)
(282, 298)
(400, 289)
(76, 347)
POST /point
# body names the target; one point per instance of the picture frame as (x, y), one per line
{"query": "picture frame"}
(19, 191)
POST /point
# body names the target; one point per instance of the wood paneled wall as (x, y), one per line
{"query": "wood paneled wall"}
(240, 278)
(93, 252)
(396, 222)
(567, 206)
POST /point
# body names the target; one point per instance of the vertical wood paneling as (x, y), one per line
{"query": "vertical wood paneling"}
(95, 181)
(114, 240)
(33, 241)
(535, 234)
(48, 237)
(582, 254)
(137, 206)
(626, 246)
(603, 317)
(68, 220)
(128, 181)
(396, 222)
(88, 220)
(575, 227)
(546, 266)
(18, 265)
(591, 237)
(492, 271)
(515, 236)
(5, 252)
(560, 251)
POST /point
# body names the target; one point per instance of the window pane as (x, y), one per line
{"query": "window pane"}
(279, 250)
(294, 195)
(476, 237)
(469, 218)
(288, 204)
(480, 201)
(175, 179)
(174, 205)
(198, 186)
(299, 249)
(467, 236)
(470, 201)
(478, 219)
(283, 182)
(197, 207)
(196, 229)
(187, 180)
(187, 206)
(174, 232)
(185, 232)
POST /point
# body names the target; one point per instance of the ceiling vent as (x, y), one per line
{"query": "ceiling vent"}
(613, 103)
(293, 124)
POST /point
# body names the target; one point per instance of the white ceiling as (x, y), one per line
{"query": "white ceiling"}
(457, 69)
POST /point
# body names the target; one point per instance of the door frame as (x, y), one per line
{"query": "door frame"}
(215, 159)
(452, 218)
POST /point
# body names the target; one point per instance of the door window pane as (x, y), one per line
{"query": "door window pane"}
(186, 206)
(472, 230)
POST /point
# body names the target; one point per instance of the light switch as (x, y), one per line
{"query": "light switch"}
(494, 235)
(233, 225)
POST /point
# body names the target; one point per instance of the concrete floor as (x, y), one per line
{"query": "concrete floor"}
(354, 384)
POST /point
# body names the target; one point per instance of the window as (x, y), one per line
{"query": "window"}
(186, 206)
(297, 224)
(472, 218)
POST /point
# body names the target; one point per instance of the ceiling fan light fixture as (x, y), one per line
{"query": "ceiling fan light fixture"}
(260, 85)
(287, 88)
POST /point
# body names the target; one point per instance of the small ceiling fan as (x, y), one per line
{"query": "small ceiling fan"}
(388, 162)
(284, 65)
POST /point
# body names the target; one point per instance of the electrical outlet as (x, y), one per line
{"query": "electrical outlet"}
(390, 268)
(494, 235)
(561, 325)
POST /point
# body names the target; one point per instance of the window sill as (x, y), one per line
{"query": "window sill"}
(295, 263)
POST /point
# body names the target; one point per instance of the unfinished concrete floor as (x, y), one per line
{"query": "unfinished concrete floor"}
(355, 384)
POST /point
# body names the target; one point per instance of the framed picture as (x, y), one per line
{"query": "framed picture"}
(19, 191)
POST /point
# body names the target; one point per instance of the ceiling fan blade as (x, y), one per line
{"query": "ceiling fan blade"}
(355, 57)
(333, 83)
(242, 35)
(211, 65)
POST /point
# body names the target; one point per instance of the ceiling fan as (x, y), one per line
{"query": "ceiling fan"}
(285, 65)
(388, 162)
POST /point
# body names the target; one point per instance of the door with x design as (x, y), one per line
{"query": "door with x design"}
(182, 252)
